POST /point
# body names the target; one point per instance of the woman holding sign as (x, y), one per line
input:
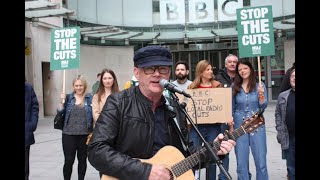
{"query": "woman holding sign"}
(78, 124)
(248, 97)
(205, 79)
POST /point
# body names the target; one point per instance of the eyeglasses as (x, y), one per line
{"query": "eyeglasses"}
(152, 69)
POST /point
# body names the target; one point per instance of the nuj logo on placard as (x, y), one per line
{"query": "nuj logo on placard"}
(64, 63)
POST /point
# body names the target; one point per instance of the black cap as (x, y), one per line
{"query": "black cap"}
(154, 55)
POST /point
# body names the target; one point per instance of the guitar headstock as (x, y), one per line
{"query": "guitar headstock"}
(253, 122)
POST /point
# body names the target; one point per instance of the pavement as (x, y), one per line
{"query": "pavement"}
(46, 155)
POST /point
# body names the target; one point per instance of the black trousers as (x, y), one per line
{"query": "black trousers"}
(72, 145)
(26, 162)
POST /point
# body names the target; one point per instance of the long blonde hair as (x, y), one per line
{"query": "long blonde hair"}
(85, 84)
(200, 68)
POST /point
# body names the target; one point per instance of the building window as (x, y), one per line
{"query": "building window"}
(246, 3)
(155, 6)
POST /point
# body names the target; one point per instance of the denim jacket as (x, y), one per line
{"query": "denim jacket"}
(244, 105)
(70, 102)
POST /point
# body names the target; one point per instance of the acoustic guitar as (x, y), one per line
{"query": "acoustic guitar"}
(181, 167)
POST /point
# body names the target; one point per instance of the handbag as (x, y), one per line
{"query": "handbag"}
(58, 121)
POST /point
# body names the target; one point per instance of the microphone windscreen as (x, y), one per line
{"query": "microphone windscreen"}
(163, 82)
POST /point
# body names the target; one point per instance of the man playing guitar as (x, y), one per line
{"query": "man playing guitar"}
(135, 124)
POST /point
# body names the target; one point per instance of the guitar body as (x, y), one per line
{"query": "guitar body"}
(170, 156)
(167, 156)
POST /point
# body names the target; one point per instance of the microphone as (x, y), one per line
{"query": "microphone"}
(173, 88)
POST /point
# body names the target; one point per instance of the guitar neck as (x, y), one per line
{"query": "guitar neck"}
(194, 159)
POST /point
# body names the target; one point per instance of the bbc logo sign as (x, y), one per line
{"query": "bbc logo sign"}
(200, 11)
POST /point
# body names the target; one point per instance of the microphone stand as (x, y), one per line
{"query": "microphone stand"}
(208, 147)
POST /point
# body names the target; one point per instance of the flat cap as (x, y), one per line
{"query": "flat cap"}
(154, 55)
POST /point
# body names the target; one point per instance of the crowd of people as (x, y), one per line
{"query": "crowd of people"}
(119, 132)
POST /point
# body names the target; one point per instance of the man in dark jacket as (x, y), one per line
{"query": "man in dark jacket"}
(226, 76)
(31, 115)
(136, 123)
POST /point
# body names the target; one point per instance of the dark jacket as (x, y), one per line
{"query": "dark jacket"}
(70, 102)
(280, 119)
(125, 129)
(95, 87)
(31, 114)
(223, 77)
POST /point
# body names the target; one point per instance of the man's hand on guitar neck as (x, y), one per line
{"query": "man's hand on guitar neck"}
(225, 146)
(159, 172)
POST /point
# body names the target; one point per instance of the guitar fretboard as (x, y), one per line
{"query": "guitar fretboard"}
(192, 160)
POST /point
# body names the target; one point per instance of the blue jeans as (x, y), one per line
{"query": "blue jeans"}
(258, 144)
(209, 133)
(291, 161)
